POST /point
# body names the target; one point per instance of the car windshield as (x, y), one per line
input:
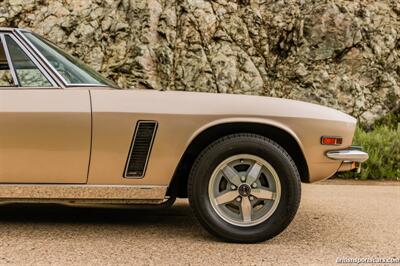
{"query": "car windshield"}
(73, 70)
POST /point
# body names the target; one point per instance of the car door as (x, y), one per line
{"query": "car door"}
(45, 130)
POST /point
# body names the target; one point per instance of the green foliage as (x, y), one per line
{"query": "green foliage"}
(383, 146)
(391, 120)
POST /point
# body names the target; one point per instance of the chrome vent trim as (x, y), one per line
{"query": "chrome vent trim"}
(140, 149)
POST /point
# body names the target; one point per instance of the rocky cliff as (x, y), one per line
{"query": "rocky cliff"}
(344, 54)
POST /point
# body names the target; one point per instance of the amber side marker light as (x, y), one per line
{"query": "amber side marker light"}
(331, 140)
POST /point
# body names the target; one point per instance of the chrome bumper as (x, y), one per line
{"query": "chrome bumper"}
(354, 154)
(351, 158)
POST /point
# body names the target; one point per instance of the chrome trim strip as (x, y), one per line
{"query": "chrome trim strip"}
(348, 155)
(86, 85)
(29, 88)
(36, 63)
(82, 192)
(86, 203)
(8, 57)
(39, 54)
(36, 54)
(131, 148)
(8, 29)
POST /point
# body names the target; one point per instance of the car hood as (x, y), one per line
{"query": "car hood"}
(199, 103)
(249, 105)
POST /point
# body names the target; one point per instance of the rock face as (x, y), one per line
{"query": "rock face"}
(343, 54)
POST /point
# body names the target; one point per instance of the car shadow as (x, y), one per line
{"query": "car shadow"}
(57, 213)
(177, 221)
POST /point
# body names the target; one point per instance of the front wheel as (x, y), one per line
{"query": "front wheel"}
(244, 188)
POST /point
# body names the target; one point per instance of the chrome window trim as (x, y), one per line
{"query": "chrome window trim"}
(86, 85)
(39, 54)
(29, 88)
(10, 64)
(38, 57)
(6, 29)
(50, 66)
(34, 61)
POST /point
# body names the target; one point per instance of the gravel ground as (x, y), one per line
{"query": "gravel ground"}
(333, 221)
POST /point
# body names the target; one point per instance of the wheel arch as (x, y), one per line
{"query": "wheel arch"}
(217, 129)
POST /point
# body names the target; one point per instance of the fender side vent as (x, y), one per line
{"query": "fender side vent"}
(140, 149)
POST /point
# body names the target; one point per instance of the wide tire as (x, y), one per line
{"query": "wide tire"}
(252, 145)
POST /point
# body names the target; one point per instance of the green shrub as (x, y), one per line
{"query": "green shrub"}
(392, 120)
(383, 146)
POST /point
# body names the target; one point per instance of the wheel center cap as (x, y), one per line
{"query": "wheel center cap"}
(244, 190)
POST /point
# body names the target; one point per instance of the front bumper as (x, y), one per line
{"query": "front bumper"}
(351, 158)
(354, 154)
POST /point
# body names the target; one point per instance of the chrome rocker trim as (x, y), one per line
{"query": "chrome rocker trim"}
(82, 193)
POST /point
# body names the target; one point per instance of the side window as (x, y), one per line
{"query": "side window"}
(6, 79)
(28, 74)
(71, 69)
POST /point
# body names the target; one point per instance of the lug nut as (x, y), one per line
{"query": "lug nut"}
(254, 185)
(233, 187)
(238, 199)
(251, 198)
(243, 178)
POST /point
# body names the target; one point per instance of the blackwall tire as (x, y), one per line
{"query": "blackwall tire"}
(244, 188)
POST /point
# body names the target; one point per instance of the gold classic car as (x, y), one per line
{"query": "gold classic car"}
(69, 135)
